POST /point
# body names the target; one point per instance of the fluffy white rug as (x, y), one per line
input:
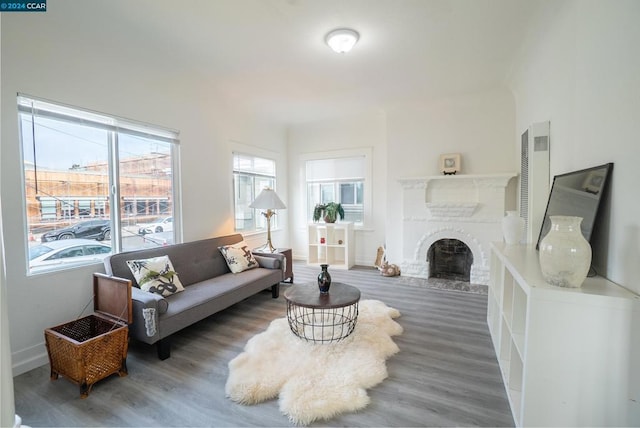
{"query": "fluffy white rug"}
(315, 381)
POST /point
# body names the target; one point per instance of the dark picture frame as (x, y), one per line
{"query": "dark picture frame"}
(577, 193)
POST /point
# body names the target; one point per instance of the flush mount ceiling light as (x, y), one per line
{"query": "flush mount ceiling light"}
(342, 39)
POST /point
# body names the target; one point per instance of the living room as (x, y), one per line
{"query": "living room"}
(573, 63)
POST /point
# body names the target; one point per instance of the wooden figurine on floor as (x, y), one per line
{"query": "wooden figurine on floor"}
(383, 266)
(379, 258)
(389, 269)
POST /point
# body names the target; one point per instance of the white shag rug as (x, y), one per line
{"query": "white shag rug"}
(315, 381)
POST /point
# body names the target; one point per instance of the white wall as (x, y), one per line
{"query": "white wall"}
(70, 55)
(408, 140)
(479, 126)
(364, 131)
(581, 70)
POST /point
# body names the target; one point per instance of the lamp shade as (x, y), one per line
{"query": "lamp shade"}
(268, 200)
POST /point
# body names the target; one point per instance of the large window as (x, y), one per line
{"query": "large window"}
(337, 180)
(94, 177)
(251, 174)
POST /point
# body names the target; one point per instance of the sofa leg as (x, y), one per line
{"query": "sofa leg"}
(164, 348)
(275, 291)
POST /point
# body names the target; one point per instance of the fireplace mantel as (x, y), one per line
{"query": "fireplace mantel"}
(467, 207)
(484, 180)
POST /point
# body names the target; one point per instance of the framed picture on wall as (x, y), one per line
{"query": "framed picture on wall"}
(450, 163)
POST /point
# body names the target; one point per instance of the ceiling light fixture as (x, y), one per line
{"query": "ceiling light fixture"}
(342, 39)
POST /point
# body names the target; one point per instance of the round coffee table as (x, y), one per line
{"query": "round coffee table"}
(322, 318)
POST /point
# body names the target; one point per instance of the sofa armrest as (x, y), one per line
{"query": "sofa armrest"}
(271, 261)
(147, 308)
(149, 300)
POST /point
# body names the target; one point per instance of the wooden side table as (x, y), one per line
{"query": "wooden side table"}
(288, 268)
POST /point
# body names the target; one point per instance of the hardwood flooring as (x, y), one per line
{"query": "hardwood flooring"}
(445, 374)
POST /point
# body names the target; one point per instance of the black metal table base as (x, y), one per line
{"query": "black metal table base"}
(324, 325)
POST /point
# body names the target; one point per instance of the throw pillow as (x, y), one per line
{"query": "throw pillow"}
(238, 257)
(156, 275)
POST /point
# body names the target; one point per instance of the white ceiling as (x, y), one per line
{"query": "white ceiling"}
(270, 57)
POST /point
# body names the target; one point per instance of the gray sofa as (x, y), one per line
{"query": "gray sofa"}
(209, 287)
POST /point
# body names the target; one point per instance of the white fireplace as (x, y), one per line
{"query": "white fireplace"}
(468, 208)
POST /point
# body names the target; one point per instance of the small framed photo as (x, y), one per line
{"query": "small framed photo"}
(593, 182)
(450, 163)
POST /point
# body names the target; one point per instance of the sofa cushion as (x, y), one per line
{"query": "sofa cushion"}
(238, 257)
(156, 275)
(202, 299)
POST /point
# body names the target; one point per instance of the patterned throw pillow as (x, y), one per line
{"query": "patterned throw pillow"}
(156, 275)
(238, 257)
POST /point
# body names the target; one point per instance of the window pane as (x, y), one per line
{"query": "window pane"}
(61, 182)
(47, 208)
(145, 181)
(67, 155)
(250, 176)
(243, 197)
(347, 193)
(253, 165)
(327, 193)
(84, 208)
(354, 213)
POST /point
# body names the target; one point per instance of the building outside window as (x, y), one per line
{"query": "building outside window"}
(251, 174)
(337, 179)
(80, 166)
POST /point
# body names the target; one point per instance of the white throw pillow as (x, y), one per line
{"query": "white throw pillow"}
(156, 275)
(238, 257)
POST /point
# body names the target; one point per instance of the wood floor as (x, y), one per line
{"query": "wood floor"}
(445, 374)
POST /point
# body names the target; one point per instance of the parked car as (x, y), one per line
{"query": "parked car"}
(163, 225)
(90, 229)
(66, 252)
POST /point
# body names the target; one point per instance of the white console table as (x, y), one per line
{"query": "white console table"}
(568, 356)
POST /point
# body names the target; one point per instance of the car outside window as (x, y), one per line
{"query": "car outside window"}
(71, 252)
(96, 249)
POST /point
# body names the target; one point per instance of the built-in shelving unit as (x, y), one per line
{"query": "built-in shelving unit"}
(568, 356)
(332, 244)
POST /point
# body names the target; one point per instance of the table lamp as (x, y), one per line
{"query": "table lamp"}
(268, 200)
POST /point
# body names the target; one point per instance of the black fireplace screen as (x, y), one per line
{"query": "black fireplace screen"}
(450, 259)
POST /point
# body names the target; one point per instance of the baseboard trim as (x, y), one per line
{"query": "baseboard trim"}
(29, 359)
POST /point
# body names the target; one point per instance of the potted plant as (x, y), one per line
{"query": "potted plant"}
(329, 212)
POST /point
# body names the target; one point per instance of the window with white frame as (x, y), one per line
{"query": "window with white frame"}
(95, 177)
(251, 174)
(338, 179)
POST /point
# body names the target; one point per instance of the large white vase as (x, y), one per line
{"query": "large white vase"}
(512, 227)
(565, 256)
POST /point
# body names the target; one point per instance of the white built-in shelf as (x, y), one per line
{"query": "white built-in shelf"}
(568, 356)
(332, 244)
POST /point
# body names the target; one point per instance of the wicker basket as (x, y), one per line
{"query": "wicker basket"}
(91, 348)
